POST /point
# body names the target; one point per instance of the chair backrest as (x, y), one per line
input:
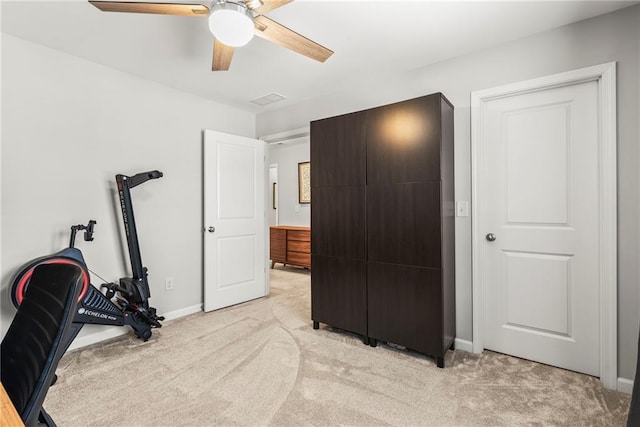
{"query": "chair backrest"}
(31, 348)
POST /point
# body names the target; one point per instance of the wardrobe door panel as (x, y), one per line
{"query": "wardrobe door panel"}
(403, 224)
(339, 293)
(403, 141)
(405, 306)
(338, 222)
(338, 151)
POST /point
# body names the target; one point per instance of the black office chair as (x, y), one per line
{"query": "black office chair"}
(32, 347)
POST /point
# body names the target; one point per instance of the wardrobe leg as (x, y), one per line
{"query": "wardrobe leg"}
(373, 342)
(440, 361)
(316, 325)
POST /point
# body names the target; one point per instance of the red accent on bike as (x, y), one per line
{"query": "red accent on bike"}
(22, 284)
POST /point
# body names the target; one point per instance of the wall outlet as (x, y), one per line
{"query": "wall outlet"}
(168, 284)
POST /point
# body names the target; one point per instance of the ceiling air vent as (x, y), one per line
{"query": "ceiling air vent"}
(268, 99)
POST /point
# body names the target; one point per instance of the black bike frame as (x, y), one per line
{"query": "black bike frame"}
(125, 184)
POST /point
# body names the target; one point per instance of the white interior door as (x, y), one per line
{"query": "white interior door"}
(234, 220)
(540, 200)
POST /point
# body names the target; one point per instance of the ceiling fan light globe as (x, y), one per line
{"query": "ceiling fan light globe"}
(231, 24)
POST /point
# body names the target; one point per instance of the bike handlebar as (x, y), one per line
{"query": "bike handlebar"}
(139, 178)
(88, 232)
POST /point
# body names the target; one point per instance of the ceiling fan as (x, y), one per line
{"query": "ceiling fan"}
(233, 24)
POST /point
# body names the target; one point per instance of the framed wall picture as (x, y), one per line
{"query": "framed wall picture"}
(304, 182)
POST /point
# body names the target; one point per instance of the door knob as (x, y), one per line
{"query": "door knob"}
(212, 229)
(491, 237)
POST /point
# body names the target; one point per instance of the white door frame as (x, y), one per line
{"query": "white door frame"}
(605, 76)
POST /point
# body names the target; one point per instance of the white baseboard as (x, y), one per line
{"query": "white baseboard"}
(96, 337)
(464, 345)
(625, 385)
(176, 314)
(109, 332)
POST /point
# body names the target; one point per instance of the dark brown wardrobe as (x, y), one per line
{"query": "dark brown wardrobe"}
(383, 224)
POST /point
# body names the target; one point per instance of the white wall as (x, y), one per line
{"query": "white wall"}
(612, 37)
(287, 156)
(68, 126)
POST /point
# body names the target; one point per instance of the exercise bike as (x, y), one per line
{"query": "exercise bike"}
(124, 303)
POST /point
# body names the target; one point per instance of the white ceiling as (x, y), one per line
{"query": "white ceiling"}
(371, 40)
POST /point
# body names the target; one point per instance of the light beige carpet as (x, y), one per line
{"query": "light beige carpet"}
(261, 363)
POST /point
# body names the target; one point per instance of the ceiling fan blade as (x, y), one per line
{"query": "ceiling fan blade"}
(222, 55)
(270, 30)
(267, 5)
(157, 8)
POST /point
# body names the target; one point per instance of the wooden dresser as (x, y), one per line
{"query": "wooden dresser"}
(290, 245)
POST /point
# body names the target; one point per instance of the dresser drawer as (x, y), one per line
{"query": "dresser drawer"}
(300, 235)
(299, 258)
(298, 246)
(278, 245)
